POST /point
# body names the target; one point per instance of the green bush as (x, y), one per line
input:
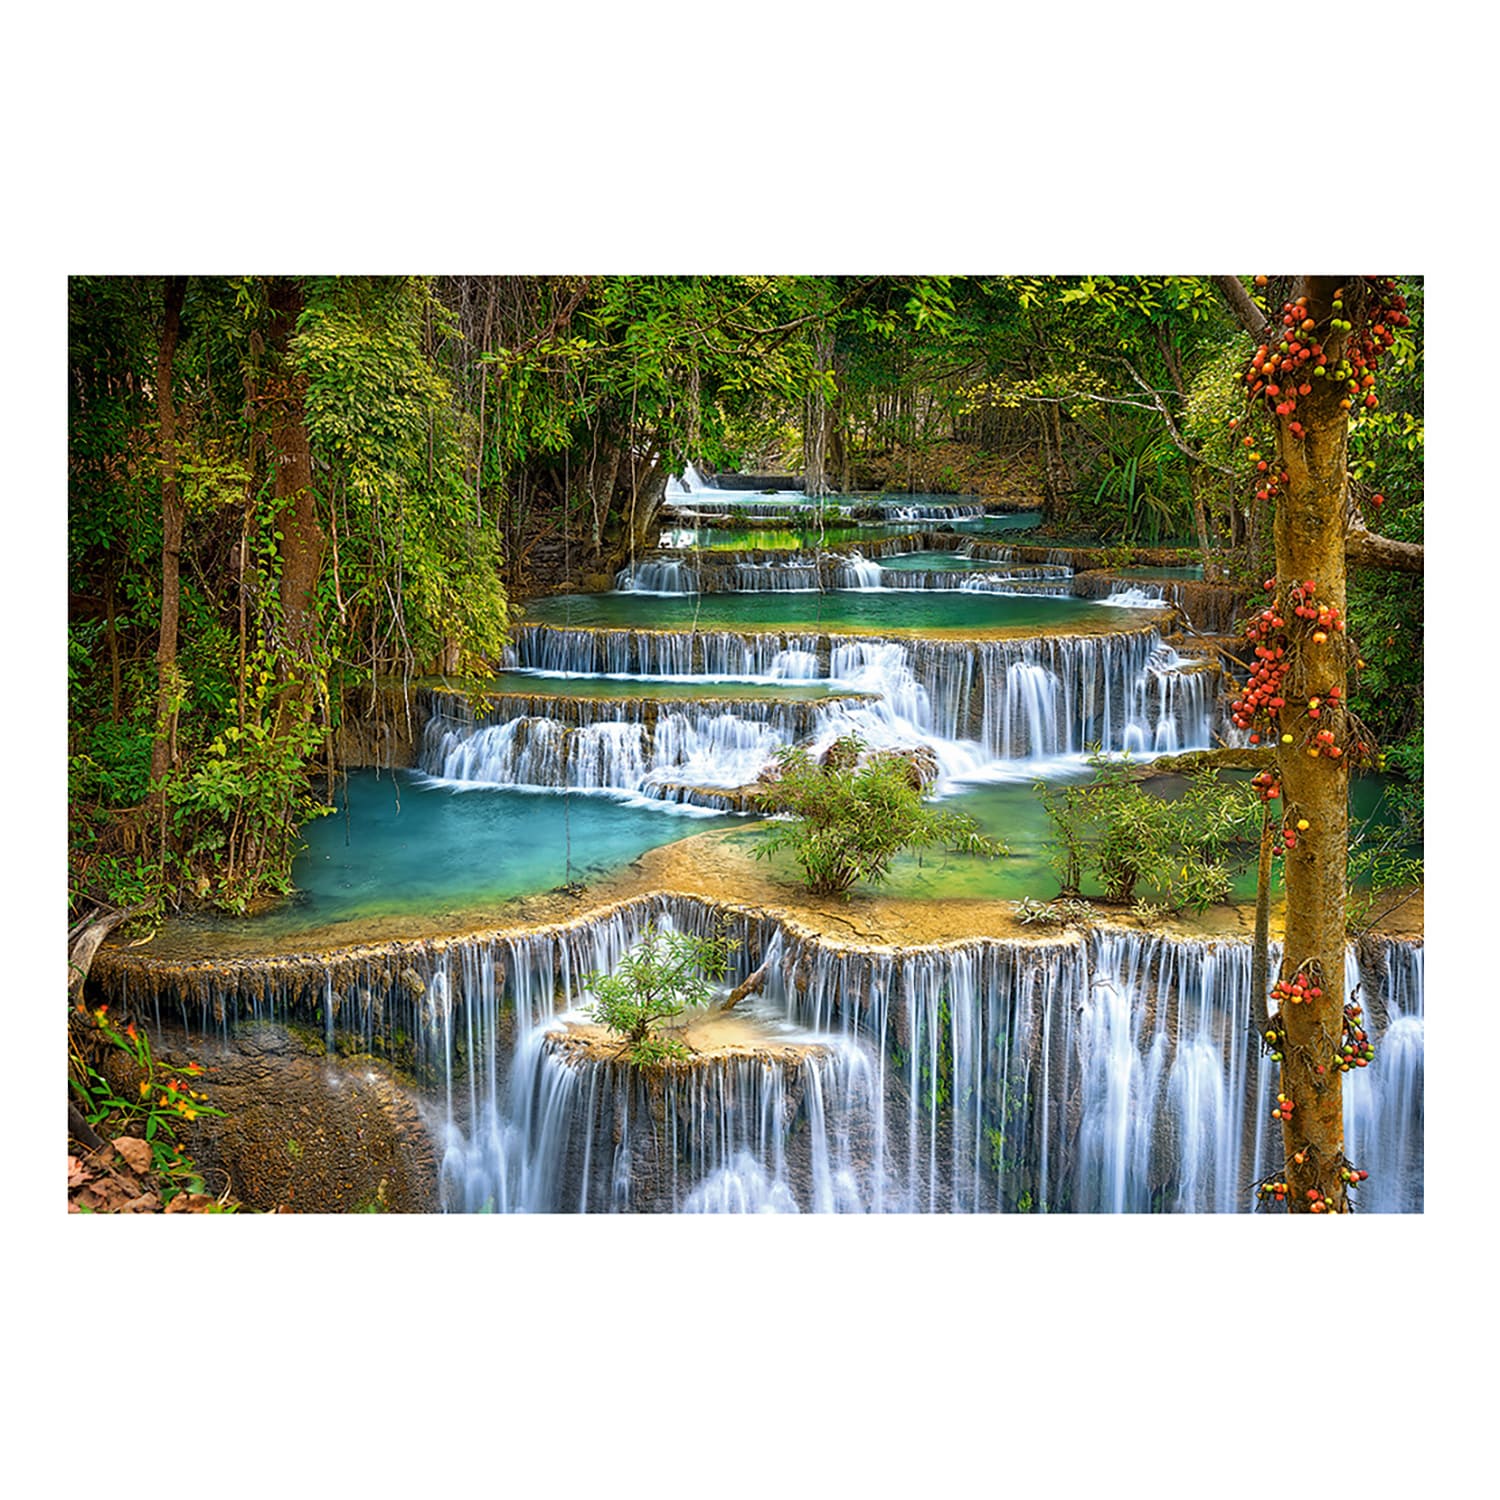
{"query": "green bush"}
(1125, 836)
(655, 982)
(115, 766)
(850, 817)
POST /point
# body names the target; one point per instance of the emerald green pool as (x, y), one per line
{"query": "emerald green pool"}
(843, 610)
(402, 846)
(793, 534)
(945, 562)
(1012, 812)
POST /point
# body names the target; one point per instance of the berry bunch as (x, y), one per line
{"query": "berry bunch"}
(1272, 1190)
(1300, 990)
(1322, 617)
(1267, 784)
(1339, 350)
(1356, 1050)
(1284, 1108)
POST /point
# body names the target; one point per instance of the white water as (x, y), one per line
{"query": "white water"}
(984, 707)
(1114, 1074)
(1145, 597)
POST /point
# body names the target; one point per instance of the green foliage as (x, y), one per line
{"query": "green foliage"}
(1124, 835)
(160, 1104)
(655, 982)
(1142, 493)
(114, 768)
(1386, 853)
(849, 818)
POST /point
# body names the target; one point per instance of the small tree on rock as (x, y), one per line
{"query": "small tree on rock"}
(655, 982)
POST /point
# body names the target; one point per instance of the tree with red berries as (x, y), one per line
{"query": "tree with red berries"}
(1314, 365)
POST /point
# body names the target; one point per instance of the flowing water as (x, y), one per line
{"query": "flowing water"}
(1114, 1073)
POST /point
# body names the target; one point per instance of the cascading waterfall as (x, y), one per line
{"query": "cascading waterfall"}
(854, 571)
(1037, 698)
(903, 511)
(658, 576)
(1137, 596)
(1115, 1072)
(980, 708)
(1383, 1109)
(659, 750)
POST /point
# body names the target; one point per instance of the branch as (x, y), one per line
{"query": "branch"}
(746, 987)
(1249, 316)
(82, 950)
(1172, 432)
(1364, 548)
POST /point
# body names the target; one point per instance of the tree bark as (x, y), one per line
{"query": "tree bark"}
(1315, 786)
(303, 541)
(815, 422)
(1367, 549)
(83, 948)
(171, 537)
(1057, 482)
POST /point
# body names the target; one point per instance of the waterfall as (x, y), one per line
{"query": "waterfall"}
(1114, 1072)
(690, 482)
(1137, 596)
(1383, 1109)
(1033, 699)
(855, 572)
(657, 576)
(907, 511)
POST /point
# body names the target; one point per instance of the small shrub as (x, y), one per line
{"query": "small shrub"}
(850, 816)
(655, 982)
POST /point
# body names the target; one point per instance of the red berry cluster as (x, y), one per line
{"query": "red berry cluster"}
(1283, 369)
(1284, 1108)
(1272, 1190)
(1262, 691)
(1317, 1203)
(1267, 784)
(1322, 617)
(1357, 1050)
(1387, 313)
(1352, 1176)
(1300, 990)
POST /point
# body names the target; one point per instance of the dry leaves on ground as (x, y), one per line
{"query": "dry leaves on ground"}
(117, 1179)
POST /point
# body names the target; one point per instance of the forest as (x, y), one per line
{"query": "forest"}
(1013, 611)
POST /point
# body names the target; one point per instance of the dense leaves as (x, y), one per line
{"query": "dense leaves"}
(655, 982)
(851, 814)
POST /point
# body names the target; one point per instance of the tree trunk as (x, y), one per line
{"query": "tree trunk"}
(1315, 786)
(815, 419)
(171, 538)
(1058, 488)
(83, 948)
(303, 542)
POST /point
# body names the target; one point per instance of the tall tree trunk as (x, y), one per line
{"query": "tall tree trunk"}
(303, 542)
(1058, 483)
(1310, 523)
(167, 694)
(815, 419)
